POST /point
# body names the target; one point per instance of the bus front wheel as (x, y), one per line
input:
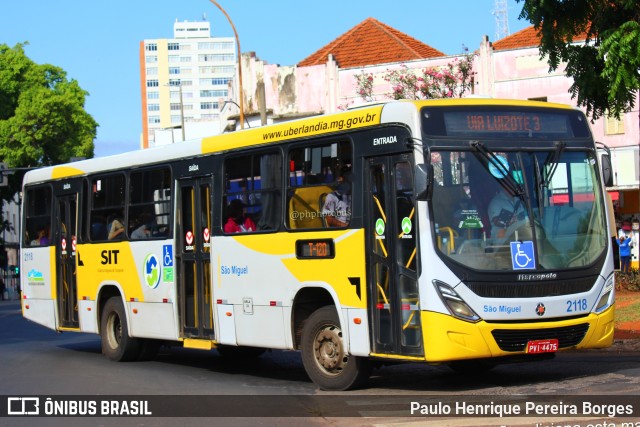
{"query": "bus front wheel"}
(324, 354)
(117, 345)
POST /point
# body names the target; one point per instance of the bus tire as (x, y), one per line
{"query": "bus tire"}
(324, 354)
(117, 345)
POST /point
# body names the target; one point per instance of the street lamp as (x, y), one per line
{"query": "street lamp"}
(241, 106)
(228, 101)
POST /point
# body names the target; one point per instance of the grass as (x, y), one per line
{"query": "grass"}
(627, 307)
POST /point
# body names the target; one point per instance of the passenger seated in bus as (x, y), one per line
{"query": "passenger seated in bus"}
(337, 204)
(237, 221)
(116, 230)
(144, 228)
(504, 210)
(43, 237)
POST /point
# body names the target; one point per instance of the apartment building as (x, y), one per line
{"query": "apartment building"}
(182, 81)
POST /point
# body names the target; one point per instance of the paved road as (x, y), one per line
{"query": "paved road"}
(37, 361)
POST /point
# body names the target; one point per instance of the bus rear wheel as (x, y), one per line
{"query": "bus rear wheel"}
(117, 345)
(324, 354)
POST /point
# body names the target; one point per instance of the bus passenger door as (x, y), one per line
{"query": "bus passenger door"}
(64, 231)
(195, 303)
(392, 277)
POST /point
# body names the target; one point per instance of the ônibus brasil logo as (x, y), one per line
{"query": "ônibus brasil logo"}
(152, 271)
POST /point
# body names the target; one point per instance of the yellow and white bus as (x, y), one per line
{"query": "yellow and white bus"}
(472, 232)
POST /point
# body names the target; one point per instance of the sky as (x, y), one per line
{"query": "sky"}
(97, 42)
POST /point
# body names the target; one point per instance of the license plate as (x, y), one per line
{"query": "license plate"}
(542, 346)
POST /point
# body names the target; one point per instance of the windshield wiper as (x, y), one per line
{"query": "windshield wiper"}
(552, 160)
(508, 183)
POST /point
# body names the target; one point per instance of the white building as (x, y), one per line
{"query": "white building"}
(182, 81)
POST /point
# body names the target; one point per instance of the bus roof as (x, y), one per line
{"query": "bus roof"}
(369, 115)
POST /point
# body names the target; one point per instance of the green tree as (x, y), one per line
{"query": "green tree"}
(42, 117)
(606, 67)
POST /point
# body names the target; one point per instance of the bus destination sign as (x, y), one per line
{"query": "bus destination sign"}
(504, 122)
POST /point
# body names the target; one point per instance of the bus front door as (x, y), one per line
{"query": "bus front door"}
(194, 252)
(392, 276)
(64, 232)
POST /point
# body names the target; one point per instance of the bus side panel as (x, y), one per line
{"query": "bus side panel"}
(152, 320)
(270, 334)
(87, 315)
(260, 275)
(40, 311)
(142, 273)
(358, 324)
(226, 324)
(38, 285)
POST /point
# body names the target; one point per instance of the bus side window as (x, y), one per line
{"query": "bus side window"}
(37, 207)
(256, 181)
(107, 202)
(318, 174)
(149, 207)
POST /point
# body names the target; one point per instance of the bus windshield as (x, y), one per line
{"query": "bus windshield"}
(487, 200)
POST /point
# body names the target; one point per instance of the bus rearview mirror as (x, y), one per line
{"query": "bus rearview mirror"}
(423, 181)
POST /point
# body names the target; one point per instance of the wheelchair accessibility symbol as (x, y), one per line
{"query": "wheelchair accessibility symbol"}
(522, 257)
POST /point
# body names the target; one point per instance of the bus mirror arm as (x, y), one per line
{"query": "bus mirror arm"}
(424, 181)
(606, 167)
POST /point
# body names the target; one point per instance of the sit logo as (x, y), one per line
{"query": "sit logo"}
(151, 271)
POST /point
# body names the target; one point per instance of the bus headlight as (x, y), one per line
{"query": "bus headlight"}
(606, 297)
(455, 304)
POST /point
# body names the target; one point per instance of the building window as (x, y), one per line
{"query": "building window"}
(151, 59)
(208, 105)
(174, 70)
(184, 59)
(223, 81)
(173, 46)
(613, 126)
(213, 93)
(151, 47)
(152, 83)
(153, 107)
(153, 95)
(205, 46)
(152, 71)
(223, 45)
(173, 58)
(154, 120)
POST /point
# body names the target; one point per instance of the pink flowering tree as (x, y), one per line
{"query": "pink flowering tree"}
(365, 85)
(453, 80)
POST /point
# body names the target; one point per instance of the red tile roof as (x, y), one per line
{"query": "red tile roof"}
(527, 37)
(369, 43)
